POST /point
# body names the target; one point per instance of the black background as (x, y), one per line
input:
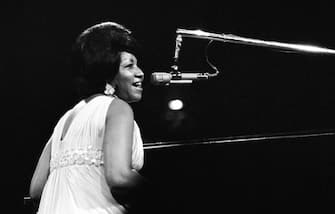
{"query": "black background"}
(258, 91)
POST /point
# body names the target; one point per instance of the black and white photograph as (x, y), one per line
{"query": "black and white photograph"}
(173, 107)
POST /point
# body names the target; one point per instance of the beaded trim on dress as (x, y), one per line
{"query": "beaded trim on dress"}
(84, 156)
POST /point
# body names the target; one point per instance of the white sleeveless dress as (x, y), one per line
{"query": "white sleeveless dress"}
(76, 183)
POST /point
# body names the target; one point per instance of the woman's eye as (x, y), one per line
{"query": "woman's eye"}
(129, 65)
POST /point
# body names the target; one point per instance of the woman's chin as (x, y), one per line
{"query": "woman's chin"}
(135, 98)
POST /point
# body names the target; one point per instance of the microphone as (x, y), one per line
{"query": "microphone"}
(165, 78)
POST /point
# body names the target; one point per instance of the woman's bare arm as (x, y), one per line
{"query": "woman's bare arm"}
(121, 178)
(41, 172)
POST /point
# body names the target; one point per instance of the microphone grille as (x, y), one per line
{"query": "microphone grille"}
(160, 78)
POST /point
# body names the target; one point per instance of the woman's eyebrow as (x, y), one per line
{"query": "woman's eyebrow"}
(129, 60)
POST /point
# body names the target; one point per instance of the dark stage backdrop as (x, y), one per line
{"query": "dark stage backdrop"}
(258, 91)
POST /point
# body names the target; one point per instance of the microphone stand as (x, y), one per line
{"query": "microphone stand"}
(230, 38)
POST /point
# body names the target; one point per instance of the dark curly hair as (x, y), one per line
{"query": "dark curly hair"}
(96, 56)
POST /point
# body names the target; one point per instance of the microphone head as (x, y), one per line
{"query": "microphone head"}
(159, 78)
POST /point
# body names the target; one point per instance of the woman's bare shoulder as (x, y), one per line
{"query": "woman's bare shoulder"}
(119, 107)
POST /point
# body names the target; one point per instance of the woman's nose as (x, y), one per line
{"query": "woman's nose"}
(139, 72)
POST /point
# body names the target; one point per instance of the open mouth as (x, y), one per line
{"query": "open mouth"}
(138, 85)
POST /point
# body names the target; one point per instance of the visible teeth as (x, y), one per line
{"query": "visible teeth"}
(137, 84)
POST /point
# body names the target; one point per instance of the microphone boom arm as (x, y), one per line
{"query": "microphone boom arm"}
(230, 38)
